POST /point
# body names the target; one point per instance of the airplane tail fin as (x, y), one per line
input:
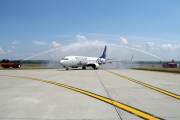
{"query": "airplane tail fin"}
(104, 53)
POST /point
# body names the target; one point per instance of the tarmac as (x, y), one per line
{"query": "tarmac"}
(113, 94)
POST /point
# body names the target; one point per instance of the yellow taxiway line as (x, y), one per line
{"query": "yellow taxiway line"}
(120, 105)
(147, 85)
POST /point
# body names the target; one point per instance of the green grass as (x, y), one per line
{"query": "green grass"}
(171, 70)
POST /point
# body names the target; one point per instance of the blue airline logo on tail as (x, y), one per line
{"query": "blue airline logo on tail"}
(104, 53)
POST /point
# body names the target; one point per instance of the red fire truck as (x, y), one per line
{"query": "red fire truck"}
(169, 64)
(7, 64)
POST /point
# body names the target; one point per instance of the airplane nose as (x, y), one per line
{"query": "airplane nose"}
(61, 62)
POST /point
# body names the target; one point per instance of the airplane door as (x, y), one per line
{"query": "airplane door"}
(72, 60)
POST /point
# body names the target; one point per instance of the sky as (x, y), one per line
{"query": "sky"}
(51, 29)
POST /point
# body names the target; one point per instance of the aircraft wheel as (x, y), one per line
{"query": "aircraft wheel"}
(83, 68)
(67, 68)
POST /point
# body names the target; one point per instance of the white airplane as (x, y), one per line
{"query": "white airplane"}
(82, 61)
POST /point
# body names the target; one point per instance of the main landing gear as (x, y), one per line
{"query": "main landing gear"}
(95, 68)
(67, 68)
(83, 67)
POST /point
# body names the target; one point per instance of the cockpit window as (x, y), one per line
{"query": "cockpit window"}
(65, 59)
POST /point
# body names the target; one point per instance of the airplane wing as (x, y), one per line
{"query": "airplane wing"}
(118, 60)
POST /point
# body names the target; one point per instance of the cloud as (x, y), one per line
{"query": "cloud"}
(13, 47)
(15, 42)
(123, 40)
(170, 46)
(80, 38)
(54, 44)
(36, 42)
(150, 44)
(9, 50)
(177, 46)
(137, 46)
(2, 51)
(167, 46)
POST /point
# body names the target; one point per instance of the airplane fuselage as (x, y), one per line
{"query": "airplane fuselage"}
(80, 61)
(83, 61)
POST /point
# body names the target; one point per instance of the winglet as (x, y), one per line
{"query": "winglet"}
(132, 57)
(104, 53)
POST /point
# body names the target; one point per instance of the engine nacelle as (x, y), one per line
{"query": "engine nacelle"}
(95, 65)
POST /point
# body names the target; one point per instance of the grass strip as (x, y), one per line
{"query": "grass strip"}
(170, 70)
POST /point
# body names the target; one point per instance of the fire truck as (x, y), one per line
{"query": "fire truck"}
(7, 64)
(169, 64)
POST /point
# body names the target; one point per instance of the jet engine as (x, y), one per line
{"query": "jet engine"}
(95, 66)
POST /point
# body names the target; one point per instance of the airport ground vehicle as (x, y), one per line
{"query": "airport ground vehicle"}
(169, 64)
(7, 64)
